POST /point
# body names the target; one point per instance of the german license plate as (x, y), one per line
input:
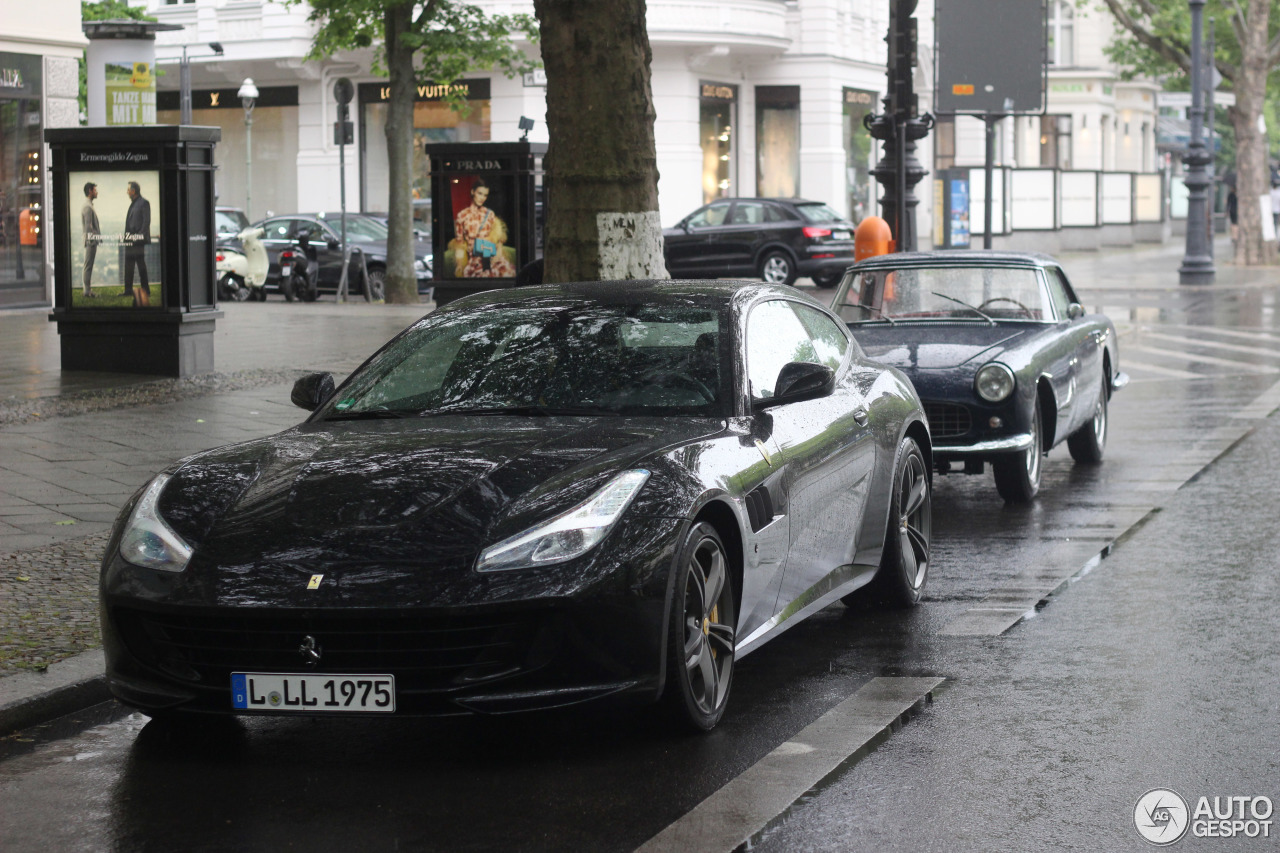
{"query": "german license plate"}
(313, 694)
(840, 235)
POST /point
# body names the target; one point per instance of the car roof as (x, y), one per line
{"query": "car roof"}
(700, 293)
(959, 257)
(759, 198)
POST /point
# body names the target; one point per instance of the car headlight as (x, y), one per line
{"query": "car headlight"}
(569, 534)
(994, 382)
(148, 540)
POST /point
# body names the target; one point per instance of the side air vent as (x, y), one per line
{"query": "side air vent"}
(759, 508)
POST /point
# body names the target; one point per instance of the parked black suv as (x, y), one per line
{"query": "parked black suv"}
(777, 239)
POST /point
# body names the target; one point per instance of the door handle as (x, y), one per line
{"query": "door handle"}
(861, 416)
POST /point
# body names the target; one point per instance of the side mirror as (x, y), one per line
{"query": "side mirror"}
(801, 380)
(1075, 311)
(311, 391)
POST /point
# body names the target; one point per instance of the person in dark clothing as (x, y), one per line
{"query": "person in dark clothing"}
(137, 227)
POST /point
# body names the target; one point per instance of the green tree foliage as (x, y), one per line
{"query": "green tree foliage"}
(1247, 52)
(435, 41)
(106, 10)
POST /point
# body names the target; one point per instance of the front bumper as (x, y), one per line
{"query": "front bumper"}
(497, 643)
(989, 447)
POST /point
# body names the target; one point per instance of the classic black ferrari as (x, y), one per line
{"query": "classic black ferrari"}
(529, 499)
(1001, 351)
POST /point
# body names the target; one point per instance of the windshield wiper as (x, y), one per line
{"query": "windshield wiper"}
(866, 307)
(965, 304)
(370, 415)
(541, 411)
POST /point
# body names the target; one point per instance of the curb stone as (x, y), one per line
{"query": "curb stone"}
(70, 685)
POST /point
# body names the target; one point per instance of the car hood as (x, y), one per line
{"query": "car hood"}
(414, 495)
(938, 345)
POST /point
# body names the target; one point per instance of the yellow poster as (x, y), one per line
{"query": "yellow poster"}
(131, 94)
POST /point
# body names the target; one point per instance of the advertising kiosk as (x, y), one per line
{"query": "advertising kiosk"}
(486, 214)
(134, 288)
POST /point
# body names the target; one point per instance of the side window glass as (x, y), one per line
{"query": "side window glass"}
(829, 341)
(1057, 293)
(709, 216)
(775, 214)
(313, 230)
(775, 337)
(277, 229)
(747, 213)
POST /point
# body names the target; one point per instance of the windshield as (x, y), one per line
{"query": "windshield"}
(230, 222)
(360, 229)
(944, 293)
(819, 213)
(581, 359)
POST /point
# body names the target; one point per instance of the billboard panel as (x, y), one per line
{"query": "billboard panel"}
(991, 56)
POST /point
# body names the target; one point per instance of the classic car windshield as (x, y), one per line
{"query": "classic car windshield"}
(630, 359)
(945, 293)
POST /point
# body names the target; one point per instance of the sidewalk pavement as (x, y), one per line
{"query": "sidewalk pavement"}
(75, 445)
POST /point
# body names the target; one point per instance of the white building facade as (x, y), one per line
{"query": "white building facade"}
(753, 97)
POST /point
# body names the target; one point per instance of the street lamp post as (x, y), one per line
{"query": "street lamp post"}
(184, 82)
(248, 94)
(1197, 263)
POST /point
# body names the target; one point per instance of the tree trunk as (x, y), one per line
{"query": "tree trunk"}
(1252, 172)
(401, 283)
(602, 173)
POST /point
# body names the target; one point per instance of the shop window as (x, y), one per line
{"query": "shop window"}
(716, 118)
(858, 148)
(22, 221)
(778, 141)
(944, 142)
(1055, 141)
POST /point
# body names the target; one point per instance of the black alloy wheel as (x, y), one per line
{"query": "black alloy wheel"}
(778, 268)
(1018, 474)
(904, 563)
(1087, 443)
(701, 639)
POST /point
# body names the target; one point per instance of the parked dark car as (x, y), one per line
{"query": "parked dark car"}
(776, 239)
(323, 233)
(1001, 351)
(530, 498)
(229, 220)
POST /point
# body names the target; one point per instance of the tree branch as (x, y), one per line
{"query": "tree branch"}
(428, 11)
(1165, 48)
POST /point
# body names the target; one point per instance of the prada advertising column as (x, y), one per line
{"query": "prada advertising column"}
(133, 248)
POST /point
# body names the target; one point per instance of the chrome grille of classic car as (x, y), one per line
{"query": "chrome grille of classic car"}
(947, 420)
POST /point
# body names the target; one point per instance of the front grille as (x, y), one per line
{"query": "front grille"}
(424, 652)
(947, 420)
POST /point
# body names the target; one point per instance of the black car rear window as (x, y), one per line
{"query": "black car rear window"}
(818, 212)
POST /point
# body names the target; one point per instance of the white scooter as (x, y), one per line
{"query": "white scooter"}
(242, 274)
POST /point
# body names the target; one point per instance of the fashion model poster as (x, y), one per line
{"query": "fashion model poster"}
(480, 245)
(115, 239)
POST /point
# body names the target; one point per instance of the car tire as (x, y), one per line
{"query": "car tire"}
(1018, 474)
(778, 268)
(1087, 443)
(904, 563)
(701, 638)
(375, 287)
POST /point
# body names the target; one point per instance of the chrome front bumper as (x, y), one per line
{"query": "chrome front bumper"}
(1007, 444)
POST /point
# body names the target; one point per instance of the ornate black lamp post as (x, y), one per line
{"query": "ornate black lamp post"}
(1197, 262)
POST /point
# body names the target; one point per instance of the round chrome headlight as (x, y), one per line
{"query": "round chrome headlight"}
(994, 382)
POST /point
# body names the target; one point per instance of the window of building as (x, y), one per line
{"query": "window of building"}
(1062, 39)
(433, 121)
(944, 142)
(858, 148)
(22, 220)
(778, 141)
(1055, 141)
(717, 113)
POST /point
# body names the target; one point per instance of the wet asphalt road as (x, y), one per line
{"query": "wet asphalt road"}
(1153, 667)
